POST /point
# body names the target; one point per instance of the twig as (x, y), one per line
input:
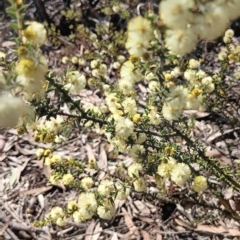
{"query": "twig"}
(172, 233)
(14, 237)
(5, 226)
(12, 212)
(76, 106)
(201, 153)
(182, 211)
(19, 226)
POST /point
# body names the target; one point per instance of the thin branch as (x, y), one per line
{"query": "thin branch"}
(76, 106)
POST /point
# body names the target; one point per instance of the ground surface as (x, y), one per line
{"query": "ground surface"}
(27, 196)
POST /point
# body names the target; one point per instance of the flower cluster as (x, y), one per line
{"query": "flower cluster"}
(32, 66)
(139, 34)
(98, 68)
(31, 70)
(191, 96)
(128, 76)
(87, 207)
(139, 182)
(14, 111)
(123, 107)
(189, 21)
(75, 82)
(92, 200)
(50, 130)
(34, 33)
(200, 184)
(179, 173)
(58, 216)
(232, 53)
(143, 110)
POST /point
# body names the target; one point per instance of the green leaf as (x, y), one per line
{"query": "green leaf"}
(75, 103)
(12, 15)
(24, 7)
(12, 11)
(14, 26)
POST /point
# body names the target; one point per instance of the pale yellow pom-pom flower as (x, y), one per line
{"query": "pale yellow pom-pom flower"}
(67, 179)
(87, 183)
(39, 152)
(61, 222)
(140, 185)
(200, 184)
(134, 169)
(56, 212)
(106, 210)
(106, 187)
(72, 205)
(35, 33)
(180, 173)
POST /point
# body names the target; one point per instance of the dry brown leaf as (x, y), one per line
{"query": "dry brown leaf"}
(2, 144)
(14, 159)
(211, 229)
(3, 156)
(102, 158)
(180, 222)
(36, 191)
(143, 209)
(212, 137)
(142, 88)
(9, 144)
(132, 228)
(145, 219)
(90, 152)
(4, 227)
(8, 44)
(16, 173)
(102, 162)
(90, 229)
(119, 203)
(235, 204)
(114, 236)
(219, 156)
(228, 193)
(158, 236)
(234, 232)
(41, 200)
(197, 113)
(47, 172)
(145, 235)
(24, 151)
(153, 208)
(97, 232)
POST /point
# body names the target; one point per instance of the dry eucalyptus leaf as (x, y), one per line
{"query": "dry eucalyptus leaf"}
(211, 229)
(132, 228)
(145, 235)
(228, 193)
(114, 236)
(97, 232)
(8, 44)
(36, 191)
(90, 230)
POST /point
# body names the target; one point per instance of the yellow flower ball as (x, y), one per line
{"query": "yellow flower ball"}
(67, 179)
(200, 184)
(26, 67)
